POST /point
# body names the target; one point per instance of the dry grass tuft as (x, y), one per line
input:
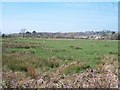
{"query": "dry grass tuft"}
(31, 72)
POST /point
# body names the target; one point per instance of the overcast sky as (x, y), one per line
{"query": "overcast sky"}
(59, 16)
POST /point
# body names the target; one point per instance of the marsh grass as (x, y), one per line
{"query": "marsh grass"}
(72, 68)
(59, 63)
(45, 55)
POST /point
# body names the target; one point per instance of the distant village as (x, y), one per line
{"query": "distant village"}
(99, 35)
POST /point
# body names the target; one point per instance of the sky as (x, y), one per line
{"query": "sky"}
(60, 0)
(59, 16)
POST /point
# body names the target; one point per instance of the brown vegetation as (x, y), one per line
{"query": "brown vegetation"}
(105, 76)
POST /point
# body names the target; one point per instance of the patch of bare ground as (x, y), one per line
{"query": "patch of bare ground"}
(104, 76)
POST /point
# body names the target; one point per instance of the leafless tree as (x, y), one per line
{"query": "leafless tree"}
(23, 32)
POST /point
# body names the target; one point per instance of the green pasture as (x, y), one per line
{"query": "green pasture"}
(48, 54)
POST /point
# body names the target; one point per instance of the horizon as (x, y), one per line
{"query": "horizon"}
(59, 16)
(59, 32)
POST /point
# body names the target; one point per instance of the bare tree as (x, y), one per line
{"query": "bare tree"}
(23, 32)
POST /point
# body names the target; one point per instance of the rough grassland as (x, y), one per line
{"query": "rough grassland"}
(35, 56)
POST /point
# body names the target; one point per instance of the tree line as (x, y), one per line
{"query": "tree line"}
(104, 34)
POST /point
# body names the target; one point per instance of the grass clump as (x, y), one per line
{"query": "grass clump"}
(31, 72)
(51, 63)
(73, 67)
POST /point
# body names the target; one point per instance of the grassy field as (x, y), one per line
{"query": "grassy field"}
(59, 63)
(51, 54)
